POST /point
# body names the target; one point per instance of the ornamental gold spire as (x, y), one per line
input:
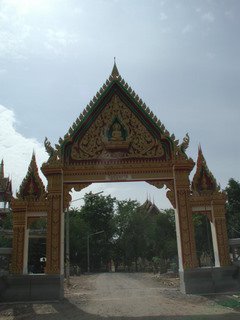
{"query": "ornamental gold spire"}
(5, 185)
(115, 72)
(203, 180)
(32, 187)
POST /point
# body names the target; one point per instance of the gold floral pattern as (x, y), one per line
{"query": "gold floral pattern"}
(92, 145)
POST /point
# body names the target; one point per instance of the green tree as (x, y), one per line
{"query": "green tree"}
(97, 214)
(130, 233)
(141, 234)
(233, 208)
(124, 211)
(165, 235)
(136, 237)
(78, 238)
(5, 224)
(122, 220)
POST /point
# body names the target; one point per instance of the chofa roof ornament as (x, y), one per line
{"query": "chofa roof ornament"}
(185, 144)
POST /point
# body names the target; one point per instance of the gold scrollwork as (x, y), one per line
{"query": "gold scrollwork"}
(169, 185)
(67, 188)
(189, 258)
(138, 141)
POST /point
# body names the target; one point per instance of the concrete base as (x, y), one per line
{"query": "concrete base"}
(210, 280)
(31, 287)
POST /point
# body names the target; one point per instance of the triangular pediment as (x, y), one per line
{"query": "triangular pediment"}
(118, 125)
(118, 132)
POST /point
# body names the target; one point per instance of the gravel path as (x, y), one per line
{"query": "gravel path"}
(120, 296)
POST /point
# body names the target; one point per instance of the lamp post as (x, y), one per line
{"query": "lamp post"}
(88, 251)
(67, 237)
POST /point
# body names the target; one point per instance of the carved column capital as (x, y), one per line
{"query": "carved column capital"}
(66, 191)
(55, 182)
(181, 179)
(169, 185)
(218, 211)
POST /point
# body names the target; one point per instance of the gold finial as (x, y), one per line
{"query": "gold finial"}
(115, 72)
(199, 148)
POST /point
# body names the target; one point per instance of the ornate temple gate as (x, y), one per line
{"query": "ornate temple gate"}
(117, 138)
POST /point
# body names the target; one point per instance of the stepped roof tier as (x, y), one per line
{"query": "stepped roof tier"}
(150, 208)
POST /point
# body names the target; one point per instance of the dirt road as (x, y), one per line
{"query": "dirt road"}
(120, 296)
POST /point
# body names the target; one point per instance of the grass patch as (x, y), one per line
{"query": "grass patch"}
(230, 303)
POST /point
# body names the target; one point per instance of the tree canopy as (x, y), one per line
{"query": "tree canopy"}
(233, 208)
(96, 215)
(130, 233)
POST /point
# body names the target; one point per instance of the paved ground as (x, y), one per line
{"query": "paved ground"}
(121, 296)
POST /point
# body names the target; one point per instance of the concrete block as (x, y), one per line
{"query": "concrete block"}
(32, 287)
(210, 280)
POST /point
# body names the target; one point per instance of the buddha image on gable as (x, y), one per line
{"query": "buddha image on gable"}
(116, 132)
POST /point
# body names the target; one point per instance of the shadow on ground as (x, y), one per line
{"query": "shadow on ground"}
(66, 310)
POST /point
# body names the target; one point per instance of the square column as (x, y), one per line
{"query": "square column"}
(19, 229)
(184, 222)
(26, 245)
(219, 234)
(55, 225)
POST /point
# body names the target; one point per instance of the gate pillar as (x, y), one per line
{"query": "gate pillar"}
(184, 223)
(55, 225)
(219, 234)
(19, 229)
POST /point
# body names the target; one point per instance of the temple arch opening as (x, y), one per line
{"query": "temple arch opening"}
(147, 201)
(36, 245)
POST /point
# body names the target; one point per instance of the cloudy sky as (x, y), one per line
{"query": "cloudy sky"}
(180, 56)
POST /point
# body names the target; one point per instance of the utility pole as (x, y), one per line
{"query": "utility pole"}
(67, 248)
(88, 251)
(88, 256)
